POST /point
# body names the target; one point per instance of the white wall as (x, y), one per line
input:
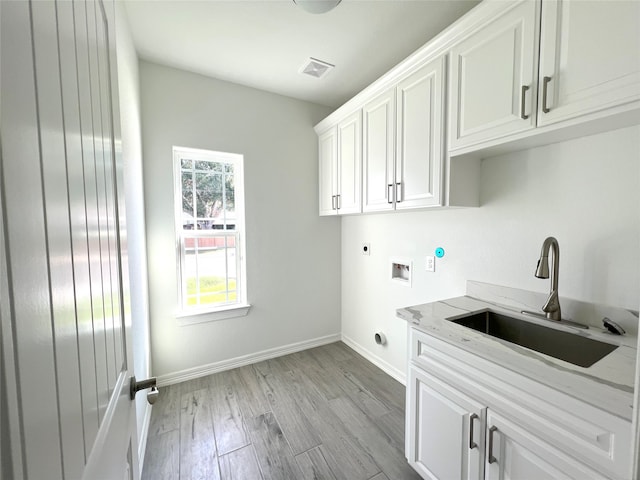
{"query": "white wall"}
(585, 192)
(129, 92)
(293, 259)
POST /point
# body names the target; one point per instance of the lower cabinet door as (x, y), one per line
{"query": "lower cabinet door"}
(514, 453)
(445, 434)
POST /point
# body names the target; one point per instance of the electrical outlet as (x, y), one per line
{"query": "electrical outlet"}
(366, 249)
(431, 263)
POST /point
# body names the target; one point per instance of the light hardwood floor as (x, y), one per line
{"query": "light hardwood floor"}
(325, 413)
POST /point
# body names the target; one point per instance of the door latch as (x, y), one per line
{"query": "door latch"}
(135, 386)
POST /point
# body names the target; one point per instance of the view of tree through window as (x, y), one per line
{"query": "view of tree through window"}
(207, 195)
(209, 234)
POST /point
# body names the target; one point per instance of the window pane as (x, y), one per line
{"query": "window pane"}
(208, 166)
(187, 201)
(232, 271)
(190, 272)
(209, 197)
(229, 199)
(207, 203)
(210, 270)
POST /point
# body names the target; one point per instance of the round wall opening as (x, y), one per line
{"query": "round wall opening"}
(380, 338)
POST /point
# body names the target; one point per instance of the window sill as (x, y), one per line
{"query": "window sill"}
(203, 316)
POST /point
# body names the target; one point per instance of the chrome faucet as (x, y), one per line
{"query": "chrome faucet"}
(552, 306)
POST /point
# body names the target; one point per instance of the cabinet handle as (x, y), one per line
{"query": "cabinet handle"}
(545, 86)
(389, 195)
(333, 202)
(472, 444)
(338, 202)
(398, 195)
(523, 96)
(492, 430)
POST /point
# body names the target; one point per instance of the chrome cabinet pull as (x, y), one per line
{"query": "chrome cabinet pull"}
(545, 87)
(333, 202)
(492, 430)
(389, 187)
(472, 444)
(523, 96)
(338, 202)
(398, 195)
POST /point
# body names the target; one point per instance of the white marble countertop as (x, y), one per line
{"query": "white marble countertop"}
(608, 384)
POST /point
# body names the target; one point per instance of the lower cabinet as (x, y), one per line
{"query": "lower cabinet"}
(470, 419)
(514, 453)
(446, 438)
(453, 437)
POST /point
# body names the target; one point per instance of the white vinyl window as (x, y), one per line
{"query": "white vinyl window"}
(209, 215)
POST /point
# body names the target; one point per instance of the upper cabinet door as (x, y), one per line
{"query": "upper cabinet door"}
(328, 175)
(590, 56)
(420, 100)
(494, 78)
(378, 117)
(350, 164)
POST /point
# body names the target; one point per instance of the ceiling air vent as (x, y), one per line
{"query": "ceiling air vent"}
(316, 68)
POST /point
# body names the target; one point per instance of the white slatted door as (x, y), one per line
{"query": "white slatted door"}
(65, 323)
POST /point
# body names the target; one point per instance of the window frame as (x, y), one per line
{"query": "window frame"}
(204, 313)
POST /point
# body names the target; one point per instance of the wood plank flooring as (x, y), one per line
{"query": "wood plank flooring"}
(325, 413)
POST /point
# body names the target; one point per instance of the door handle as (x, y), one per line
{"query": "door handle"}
(389, 187)
(398, 192)
(135, 386)
(492, 430)
(472, 444)
(545, 87)
(333, 202)
(338, 202)
(523, 96)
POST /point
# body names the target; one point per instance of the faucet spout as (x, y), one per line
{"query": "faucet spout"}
(552, 305)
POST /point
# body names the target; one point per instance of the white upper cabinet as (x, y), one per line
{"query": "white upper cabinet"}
(350, 164)
(493, 77)
(328, 174)
(420, 100)
(518, 74)
(378, 135)
(340, 161)
(404, 142)
(589, 56)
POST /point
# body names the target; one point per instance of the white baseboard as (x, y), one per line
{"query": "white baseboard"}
(211, 368)
(144, 434)
(377, 361)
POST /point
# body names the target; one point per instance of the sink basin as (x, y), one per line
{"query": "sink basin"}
(569, 347)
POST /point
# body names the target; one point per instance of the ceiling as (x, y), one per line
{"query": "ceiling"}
(263, 44)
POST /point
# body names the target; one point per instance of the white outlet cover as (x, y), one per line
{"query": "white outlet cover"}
(430, 263)
(366, 249)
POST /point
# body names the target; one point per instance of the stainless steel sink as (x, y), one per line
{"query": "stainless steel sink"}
(569, 347)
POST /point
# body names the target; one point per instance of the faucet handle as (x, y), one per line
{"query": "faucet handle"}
(612, 326)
